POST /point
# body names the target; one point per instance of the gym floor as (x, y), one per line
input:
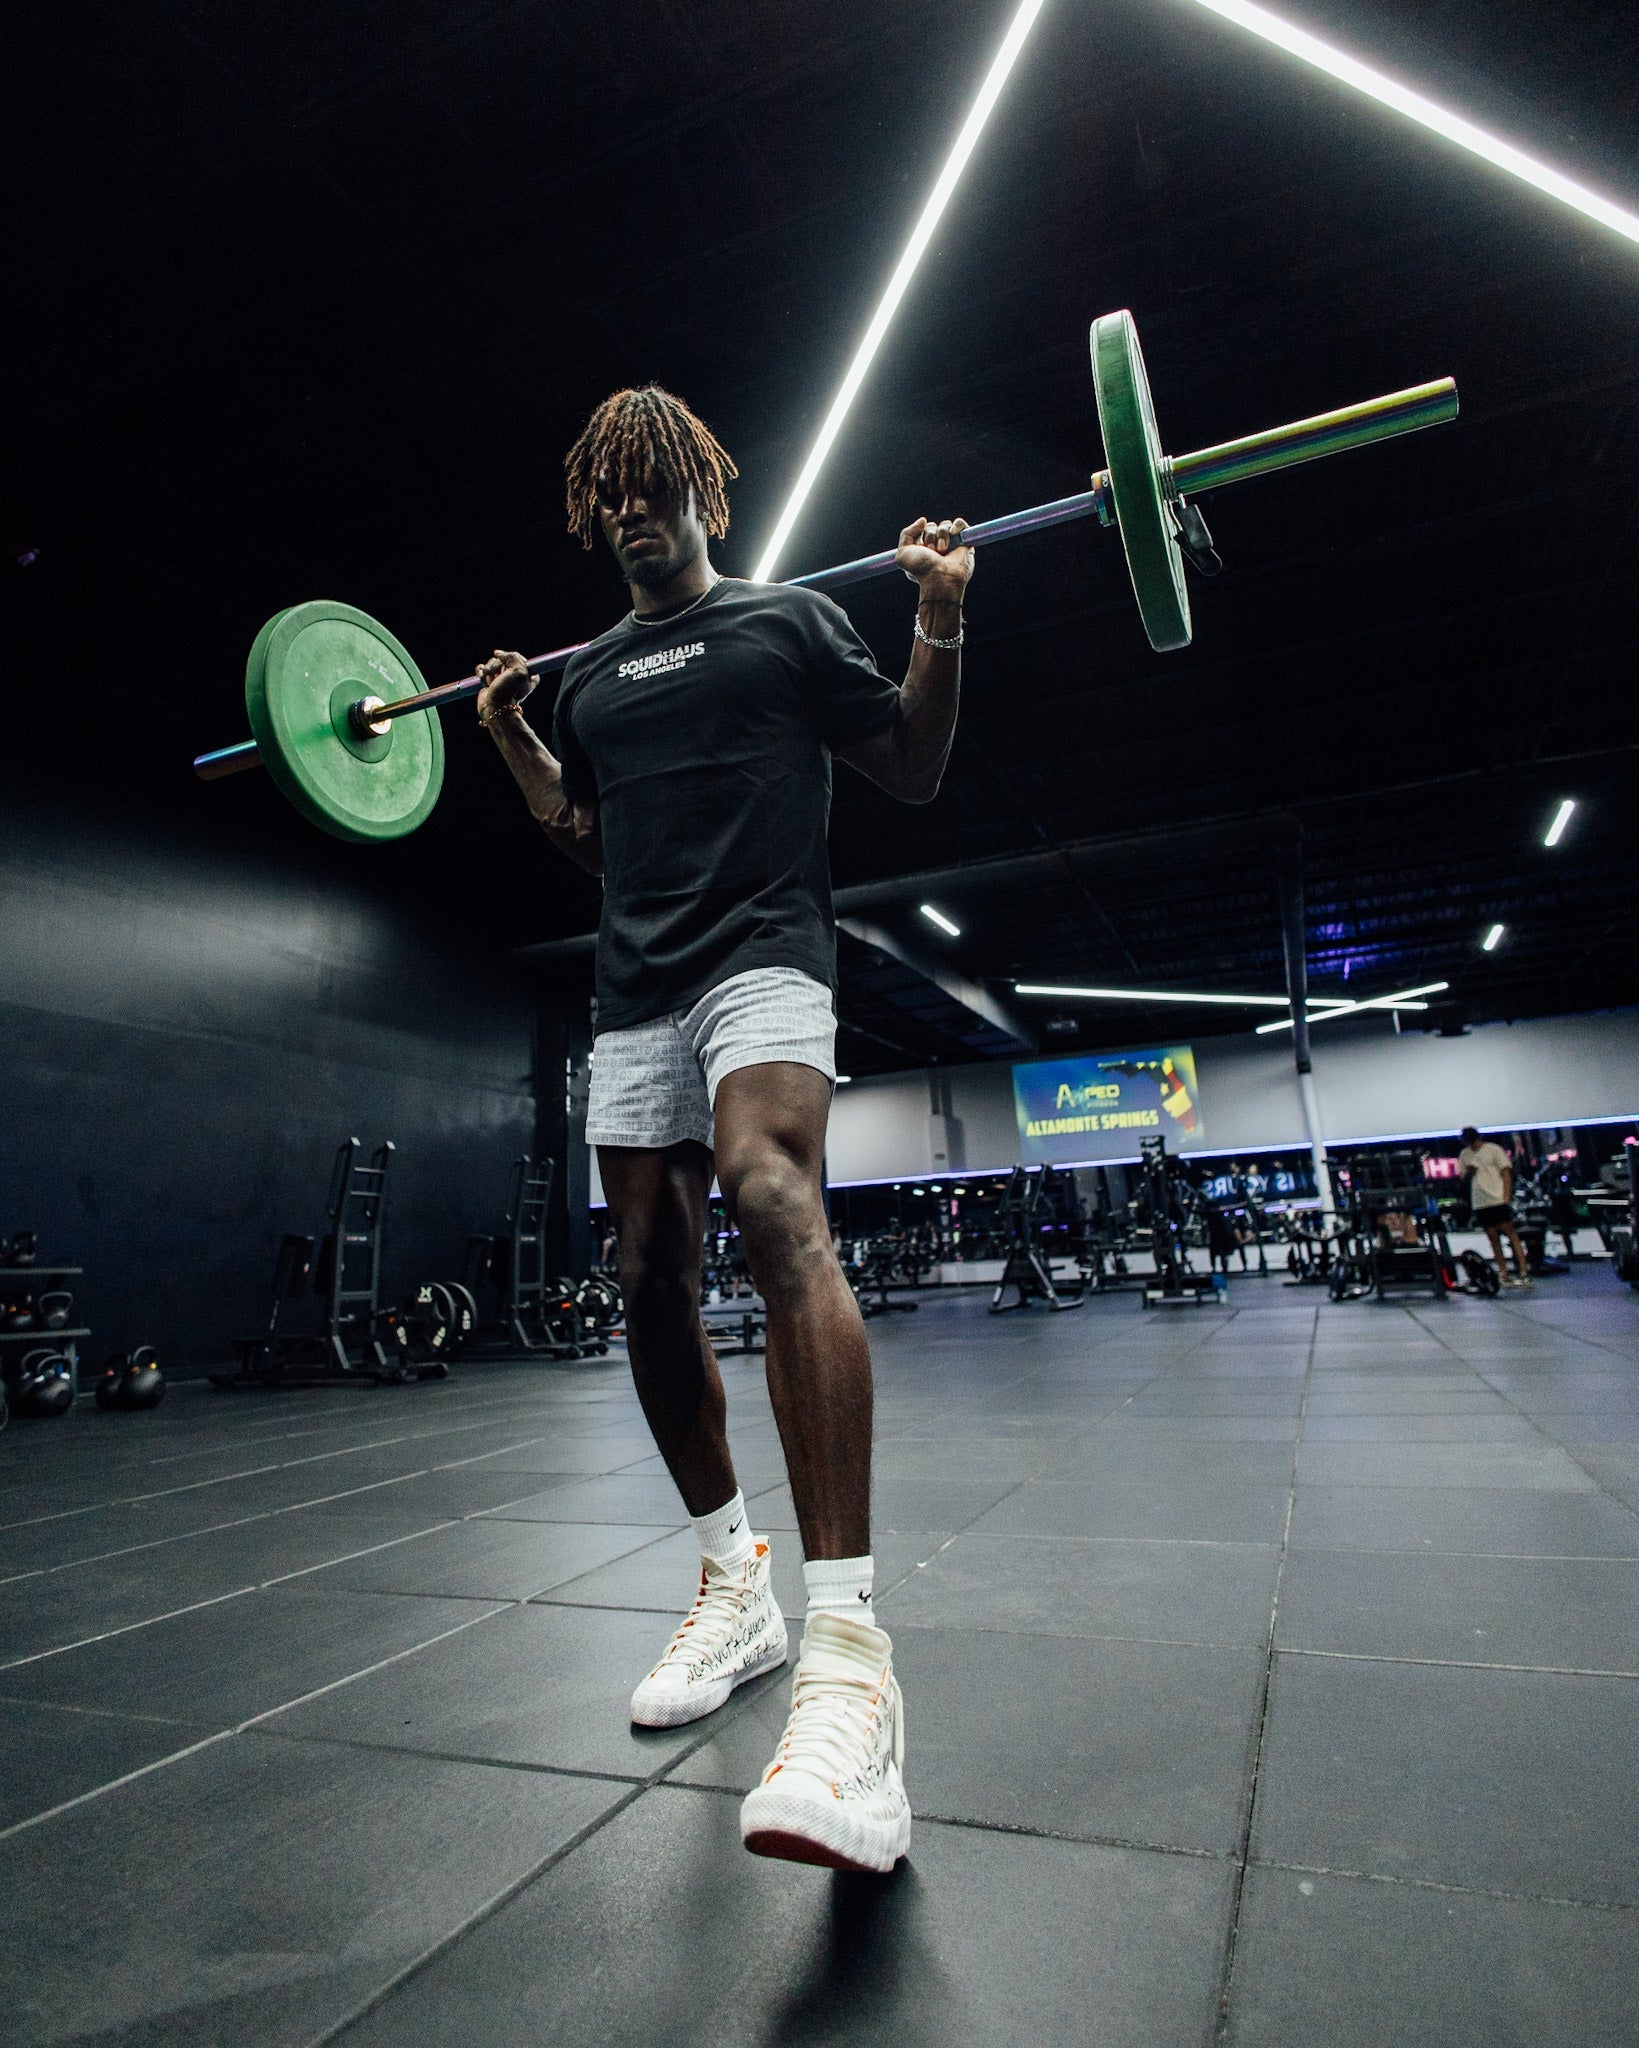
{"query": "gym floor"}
(1270, 1678)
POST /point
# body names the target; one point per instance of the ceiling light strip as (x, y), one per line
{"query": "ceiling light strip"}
(1388, 92)
(1012, 43)
(1401, 999)
(1562, 817)
(1143, 995)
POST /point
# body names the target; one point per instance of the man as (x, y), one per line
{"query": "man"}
(1490, 1175)
(691, 767)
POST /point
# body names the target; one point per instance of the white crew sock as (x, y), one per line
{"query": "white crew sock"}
(841, 1585)
(725, 1534)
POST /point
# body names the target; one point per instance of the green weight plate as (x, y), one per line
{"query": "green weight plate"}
(1132, 451)
(306, 667)
(258, 650)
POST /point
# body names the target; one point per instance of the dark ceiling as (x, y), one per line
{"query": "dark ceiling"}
(309, 300)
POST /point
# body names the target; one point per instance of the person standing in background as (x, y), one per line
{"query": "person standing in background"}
(1490, 1175)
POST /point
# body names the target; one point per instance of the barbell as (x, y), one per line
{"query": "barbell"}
(346, 726)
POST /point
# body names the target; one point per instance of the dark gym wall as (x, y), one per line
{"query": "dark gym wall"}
(190, 1028)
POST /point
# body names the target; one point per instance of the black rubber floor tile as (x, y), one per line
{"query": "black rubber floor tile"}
(296, 1880)
(1128, 1427)
(1273, 1398)
(615, 1499)
(898, 1503)
(1358, 1965)
(222, 1664)
(1112, 1452)
(1464, 1518)
(1519, 1781)
(465, 1490)
(57, 1753)
(1196, 1510)
(106, 1531)
(1620, 1431)
(33, 1499)
(56, 1608)
(1569, 1390)
(1007, 1459)
(587, 1456)
(1577, 1614)
(1033, 1585)
(1526, 1467)
(1616, 1469)
(1229, 1368)
(663, 1578)
(489, 1559)
(1380, 1398)
(661, 1930)
(1015, 1421)
(1143, 1742)
(1411, 1361)
(538, 1685)
(1496, 1427)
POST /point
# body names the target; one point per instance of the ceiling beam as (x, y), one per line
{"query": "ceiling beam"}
(972, 995)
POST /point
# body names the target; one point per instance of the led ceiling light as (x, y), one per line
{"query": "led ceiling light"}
(1389, 92)
(939, 918)
(1562, 817)
(1401, 999)
(938, 199)
(1493, 938)
(1143, 995)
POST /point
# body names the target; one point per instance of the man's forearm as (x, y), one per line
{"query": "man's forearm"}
(538, 774)
(929, 698)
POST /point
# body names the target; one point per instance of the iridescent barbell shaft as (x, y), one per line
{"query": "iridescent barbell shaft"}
(1232, 462)
(1328, 433)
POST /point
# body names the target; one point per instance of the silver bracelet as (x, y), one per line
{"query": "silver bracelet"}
(944, 646)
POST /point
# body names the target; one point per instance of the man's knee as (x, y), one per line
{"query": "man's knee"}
(781, 1218)
(656, 1291)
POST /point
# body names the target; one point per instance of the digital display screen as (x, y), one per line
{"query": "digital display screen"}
(1096, 1106)
(1261, 1184)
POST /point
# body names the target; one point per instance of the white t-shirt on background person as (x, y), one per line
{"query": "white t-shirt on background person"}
(1490, 1165)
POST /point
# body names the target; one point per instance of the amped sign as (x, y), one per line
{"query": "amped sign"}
(1097, 1106)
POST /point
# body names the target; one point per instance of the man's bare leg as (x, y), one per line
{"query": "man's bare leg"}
(770, 1145)
(1498, 1253)
(735, 1630)
(658, 1200)
(1521, 1262)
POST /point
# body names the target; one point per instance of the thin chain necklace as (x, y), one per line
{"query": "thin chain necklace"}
(672, 618)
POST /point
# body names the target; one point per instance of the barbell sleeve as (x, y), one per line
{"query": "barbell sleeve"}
(1327, 433)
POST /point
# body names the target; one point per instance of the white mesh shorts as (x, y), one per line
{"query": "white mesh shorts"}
(654, 1084)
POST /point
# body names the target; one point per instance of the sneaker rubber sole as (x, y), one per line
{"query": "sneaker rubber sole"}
(803, 1831)
(695, 1706)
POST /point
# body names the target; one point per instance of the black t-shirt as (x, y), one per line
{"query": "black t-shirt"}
(705, 741)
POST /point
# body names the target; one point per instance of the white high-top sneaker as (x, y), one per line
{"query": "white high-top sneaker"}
(833, 1794)
(733, 1632)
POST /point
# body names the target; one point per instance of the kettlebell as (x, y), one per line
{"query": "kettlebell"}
(45, 1385)
(53, 1307)
(131, 1380)
(19, 1315)
(19, 1248)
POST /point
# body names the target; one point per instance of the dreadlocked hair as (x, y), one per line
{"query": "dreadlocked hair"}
(643, 433)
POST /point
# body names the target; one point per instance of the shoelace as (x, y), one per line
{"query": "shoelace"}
(711, 1620)
(831, 1717)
